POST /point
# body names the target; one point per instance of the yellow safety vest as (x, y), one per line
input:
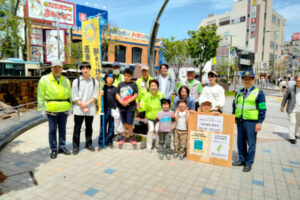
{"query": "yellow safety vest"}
(246, 107)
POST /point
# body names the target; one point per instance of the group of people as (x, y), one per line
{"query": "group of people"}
(149, 98)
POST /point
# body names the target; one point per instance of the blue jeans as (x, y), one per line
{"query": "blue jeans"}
(108, 119)
(246, 135)
(59, 121)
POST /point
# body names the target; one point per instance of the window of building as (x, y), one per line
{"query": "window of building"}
(278, 22)
(274, 19)
(271, 57)
(224, 23)
(136, 55)
(120, 54)
(104, 52)
(247, 30)
(272, 45)
(247, 43)
(276, 47)
(265, 16)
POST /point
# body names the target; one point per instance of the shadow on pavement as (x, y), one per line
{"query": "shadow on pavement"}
(21, 167)
(283, 135)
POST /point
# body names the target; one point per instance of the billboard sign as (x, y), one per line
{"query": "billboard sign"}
(49, 10)
(36, 37)
(37, 54)
(84, 12)
(226, 41)
(131, 34)
(51, 45)
(296, 36)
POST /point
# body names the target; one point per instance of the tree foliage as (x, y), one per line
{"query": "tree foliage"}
(202, 45)
(175, 53)
(10, 24)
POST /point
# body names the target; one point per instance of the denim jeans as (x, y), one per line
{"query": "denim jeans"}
(246, 136)
(58, 121)
(109, 134)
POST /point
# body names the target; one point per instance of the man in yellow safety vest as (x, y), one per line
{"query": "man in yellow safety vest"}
(54, 97)
(249, 107)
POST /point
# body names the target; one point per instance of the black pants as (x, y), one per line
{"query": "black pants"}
(88, 131)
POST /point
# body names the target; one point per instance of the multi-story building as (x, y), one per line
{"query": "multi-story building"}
(252, 25)
(291, 56)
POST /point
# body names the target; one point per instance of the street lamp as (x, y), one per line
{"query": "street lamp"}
(58, 38)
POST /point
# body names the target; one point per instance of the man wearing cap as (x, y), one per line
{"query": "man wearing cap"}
(117, 75)
(166, 82)
(194, 85)
(214, 92)
(54, 94)
(250, 109)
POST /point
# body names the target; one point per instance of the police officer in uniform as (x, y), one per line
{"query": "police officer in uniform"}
(249, 107)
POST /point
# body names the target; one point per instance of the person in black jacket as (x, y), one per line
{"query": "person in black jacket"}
(110, 102)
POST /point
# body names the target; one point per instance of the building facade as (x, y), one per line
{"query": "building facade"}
(252, 25)
(290, 62)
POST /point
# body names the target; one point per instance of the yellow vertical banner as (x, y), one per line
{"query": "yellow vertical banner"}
(91, 50)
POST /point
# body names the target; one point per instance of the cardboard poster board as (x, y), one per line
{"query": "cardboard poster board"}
(210, 138)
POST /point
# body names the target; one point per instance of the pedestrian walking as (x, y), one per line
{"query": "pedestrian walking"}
(292, 99)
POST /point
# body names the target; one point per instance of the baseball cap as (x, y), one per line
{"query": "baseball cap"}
(145, 67)
(190, 69)
(213, 72)
(56, 63)
(116, 64)
(248, 74)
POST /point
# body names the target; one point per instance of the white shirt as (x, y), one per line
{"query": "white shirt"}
(215, 93)
(297, 105)
(164, 84)
(86, 91)
(181, 123)
(291, 83)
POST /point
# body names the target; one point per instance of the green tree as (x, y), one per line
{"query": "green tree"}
(202, 45)
(175, 53)
(10, 25)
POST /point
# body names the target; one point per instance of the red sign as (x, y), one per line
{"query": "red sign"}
(253, 20)
(296, 36)
(82, 16)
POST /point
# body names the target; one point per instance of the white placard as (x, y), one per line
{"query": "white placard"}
(36, 37)
(49, 10)
(37, 54)
(210, 123)
(219, 146)
(51, 45)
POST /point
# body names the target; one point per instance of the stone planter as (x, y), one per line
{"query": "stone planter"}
(140, 143)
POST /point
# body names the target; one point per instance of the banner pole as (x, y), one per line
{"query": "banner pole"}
(102, 101)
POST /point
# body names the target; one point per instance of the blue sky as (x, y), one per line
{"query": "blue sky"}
(181, 15)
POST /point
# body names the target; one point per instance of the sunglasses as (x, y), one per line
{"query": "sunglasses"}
(211, 75)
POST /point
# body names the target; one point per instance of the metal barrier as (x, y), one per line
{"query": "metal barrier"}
(18, 108)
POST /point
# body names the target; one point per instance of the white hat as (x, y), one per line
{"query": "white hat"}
(145, 67)
(205, 100)
(190, 69)
(56, 63)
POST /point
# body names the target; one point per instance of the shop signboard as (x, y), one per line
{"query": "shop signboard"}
(49, 11)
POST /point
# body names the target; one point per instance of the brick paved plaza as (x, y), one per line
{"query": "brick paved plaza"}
(138, 174)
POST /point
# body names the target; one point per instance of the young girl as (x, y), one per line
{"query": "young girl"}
(165, 118)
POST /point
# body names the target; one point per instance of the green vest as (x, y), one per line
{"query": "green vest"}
(246, 107)
(143, 88)
(54, 96)
(118, 80)
(151, 104)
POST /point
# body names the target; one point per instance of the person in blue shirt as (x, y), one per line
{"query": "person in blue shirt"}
(249, 108)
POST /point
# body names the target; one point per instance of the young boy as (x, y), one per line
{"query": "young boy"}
(165, 118)
(84, 93)
(110, 103)
(180, 134)
(126, 95)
